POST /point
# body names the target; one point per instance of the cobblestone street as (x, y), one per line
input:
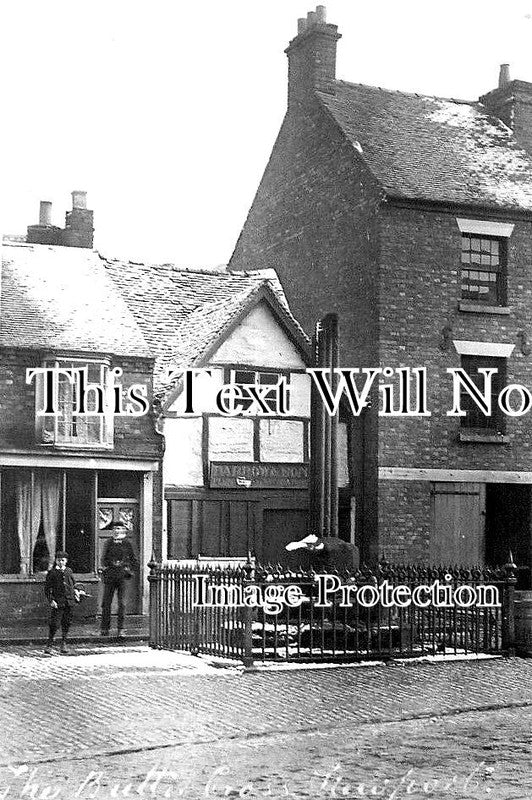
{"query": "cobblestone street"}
(130, 722)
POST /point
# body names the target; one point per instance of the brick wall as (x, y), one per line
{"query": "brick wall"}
(23, 601)
(392, 274)
(134, 437)
(404, 520)
(17, 403)
(513, 105)
(420, 293)
(314, 220)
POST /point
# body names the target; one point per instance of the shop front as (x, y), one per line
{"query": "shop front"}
(70, 504)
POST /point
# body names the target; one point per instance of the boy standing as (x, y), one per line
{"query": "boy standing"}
(61, 593)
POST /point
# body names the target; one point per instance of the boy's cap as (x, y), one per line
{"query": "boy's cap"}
(61, 554)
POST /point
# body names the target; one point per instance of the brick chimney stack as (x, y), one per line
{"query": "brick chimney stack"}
(312, 57)
(511, 102)
(44, 232)
(79, 230)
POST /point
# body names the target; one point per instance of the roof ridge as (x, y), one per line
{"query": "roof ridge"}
(410, 94)
(217, 270)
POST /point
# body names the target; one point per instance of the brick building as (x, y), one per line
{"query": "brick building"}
(65, 478)
(411, 217)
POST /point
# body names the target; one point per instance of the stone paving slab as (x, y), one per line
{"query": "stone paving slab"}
(136, 699)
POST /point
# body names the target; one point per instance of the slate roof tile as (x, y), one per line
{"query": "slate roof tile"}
(62, 299)
(431, 148)
(72, 299)
(182, 311)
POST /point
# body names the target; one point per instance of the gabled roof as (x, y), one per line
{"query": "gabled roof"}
(184, 314)
(62, 299)
(433, 149)
(208, 327)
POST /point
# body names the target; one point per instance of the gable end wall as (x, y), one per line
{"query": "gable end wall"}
(315, 220)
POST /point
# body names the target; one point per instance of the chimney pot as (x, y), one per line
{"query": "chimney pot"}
(312, 58)
(504, 76)
(321, 14)
(45, 213)
(79, 199)
(301, 25)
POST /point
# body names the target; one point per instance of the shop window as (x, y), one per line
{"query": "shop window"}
(42, 511)
(70, 429)
(9, 539)
(79, 519)
(30, 519)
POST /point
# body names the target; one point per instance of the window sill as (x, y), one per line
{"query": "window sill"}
(478, 308)
(75, 446)
(481, 437)
(38, 577)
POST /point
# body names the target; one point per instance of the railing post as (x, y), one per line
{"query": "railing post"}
(508, 607)
(153, 579)
(195, 611)
(247, 656)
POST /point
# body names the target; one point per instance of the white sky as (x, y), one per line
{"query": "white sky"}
(166, 112)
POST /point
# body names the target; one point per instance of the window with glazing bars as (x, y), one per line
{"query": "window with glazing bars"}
(484, 269)
(475, 418)
(245, 378)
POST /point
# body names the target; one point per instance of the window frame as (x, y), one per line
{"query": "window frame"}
(48, 428)
(33, 574)
(499, 270)
(495, 424)
(230, 377)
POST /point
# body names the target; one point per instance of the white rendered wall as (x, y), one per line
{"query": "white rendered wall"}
(281, 440)
(182, 464)
(230, 439)
(204, 393)
(261, 341)
(258, 342)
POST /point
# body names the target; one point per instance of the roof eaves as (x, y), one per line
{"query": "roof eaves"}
(480, 210)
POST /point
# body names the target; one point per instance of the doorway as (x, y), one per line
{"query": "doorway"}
(508, 521)
(126, 512)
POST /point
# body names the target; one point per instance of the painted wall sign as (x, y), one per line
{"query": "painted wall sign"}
(250, 475)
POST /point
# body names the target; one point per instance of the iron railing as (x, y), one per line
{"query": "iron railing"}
(200, 609)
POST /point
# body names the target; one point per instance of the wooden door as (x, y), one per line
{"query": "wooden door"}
(126, 512)
(457, 529)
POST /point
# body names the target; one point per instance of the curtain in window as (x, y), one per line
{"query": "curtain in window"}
(28, 517)
(50, 495)
(105, 517)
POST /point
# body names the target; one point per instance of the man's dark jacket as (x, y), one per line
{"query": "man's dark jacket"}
(118, 560)
(60, 586)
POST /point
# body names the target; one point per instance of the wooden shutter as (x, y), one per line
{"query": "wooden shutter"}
(457, 523)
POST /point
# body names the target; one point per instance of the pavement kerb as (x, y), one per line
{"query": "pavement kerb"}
(264, 666)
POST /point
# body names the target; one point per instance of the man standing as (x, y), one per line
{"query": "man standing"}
(61, 593)
(118, 563)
